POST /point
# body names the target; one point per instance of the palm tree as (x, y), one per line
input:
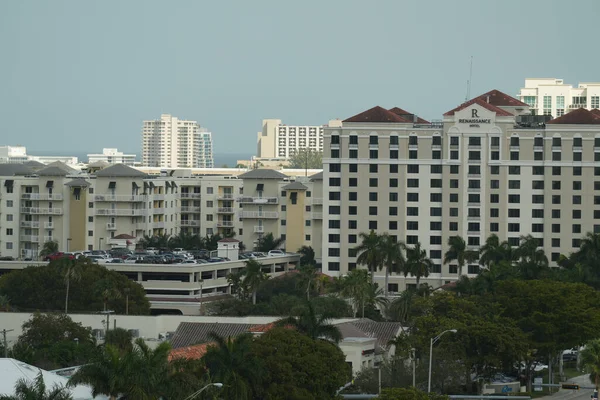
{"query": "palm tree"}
(253, 277)
(49, 248)
(532, 260)
(417, 263)
(458, 252)
(308, 275)
(71, 271)
(108, 292)
(268, 242)
(494, 251)
(107, 375)
(355, 286)
(374, 296)
(400, 308)
(36, 390)
(589, 250)
(4, 303)
(393, 257)
(308, 255)
(369, 251)
(590, 358)
(230, 361)
(313, 325)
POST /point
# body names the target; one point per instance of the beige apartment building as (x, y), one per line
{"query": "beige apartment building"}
(487, 168)
(287, 207)
(114, 206)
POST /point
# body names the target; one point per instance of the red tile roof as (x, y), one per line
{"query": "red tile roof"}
(500, 99)
(403, 113)
(499, 111)
(596, 111)
(580, 116)
(377, 114)
(194, 352)
(266, 327)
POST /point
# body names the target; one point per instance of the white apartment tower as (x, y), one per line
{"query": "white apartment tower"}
(173, 143)
(550, 96)
(277, 140)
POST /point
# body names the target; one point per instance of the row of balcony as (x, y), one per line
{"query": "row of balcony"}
(42, 196)
(121, 212)
(120, 197)
(258, 200)
(36, 224)
(36, 239)
(42, 211)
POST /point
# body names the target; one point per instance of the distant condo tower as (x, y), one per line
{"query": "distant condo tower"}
(171, 143)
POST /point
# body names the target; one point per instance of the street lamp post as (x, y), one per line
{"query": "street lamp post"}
(193, 395)
(127, 300)
(434, 340)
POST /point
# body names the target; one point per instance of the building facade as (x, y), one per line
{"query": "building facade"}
(18, 155)
(288, 207)
(112, 156)
(481, 171)
(279, 141)
(556, 98)
(171, 143)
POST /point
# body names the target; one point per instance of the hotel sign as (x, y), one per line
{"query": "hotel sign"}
(474, 121)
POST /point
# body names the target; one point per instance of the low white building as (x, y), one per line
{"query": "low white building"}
(18, 155)
(551, 96)
(112, 156)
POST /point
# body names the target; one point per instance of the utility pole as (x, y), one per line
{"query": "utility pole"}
(4, 331)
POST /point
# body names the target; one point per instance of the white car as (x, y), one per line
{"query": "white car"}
(276, 253)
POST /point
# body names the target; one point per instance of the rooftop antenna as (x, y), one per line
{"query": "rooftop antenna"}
(469, 81)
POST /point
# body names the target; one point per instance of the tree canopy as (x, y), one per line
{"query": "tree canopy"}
(43, 288)
(306, 159)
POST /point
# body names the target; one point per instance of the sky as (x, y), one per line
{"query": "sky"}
(77, 76)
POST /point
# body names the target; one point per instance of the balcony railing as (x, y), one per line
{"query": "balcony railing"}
(111, 227)
(317, 215)
(118, 212)
(158, 224)
(119, 198)
(259, 214)
(189, 195)
(30, 224)
(225, 196)
(584, 105)
(189, 223)
(188, 209)
(44, 211)
(48, 239)
(42, 196)
(258, 200)
(29, 238)
(48, 225)
(225, 210)
(158, 210)
(224, 224)
(317, 201)
(259, 229)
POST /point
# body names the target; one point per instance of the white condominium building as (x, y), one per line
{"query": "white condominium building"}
(112, 156)
(170, 143)
(488, 168)
(554, 97)
(279, 141)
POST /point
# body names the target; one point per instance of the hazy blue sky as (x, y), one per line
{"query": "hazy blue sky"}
(82, 75)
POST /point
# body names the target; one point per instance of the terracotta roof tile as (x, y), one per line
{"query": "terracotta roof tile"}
(596, 111)
(189, 333)
(497, 98)
(403, 113)
(377, 114)
(499, 111)
(581, 116)
(195, 352)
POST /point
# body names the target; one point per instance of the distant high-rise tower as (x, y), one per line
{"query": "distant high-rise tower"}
(170, 142)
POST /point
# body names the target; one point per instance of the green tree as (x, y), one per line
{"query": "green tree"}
(49, 248)
(268, 242)
(457, 251)
(369, 252)
(493, 252)
(44, 289)
(532, 261)
(233, 363)
(71, 271)
(4, 303)
(408, 393)
(355, 286)
(393, 257)
(254, 276)
(313, 325)
(119, 338)
(417, 263)
(37, 390)
(308, 255)
(107, 374)
(590, 359)
(298, 367)
(306, 159)
(308, 275)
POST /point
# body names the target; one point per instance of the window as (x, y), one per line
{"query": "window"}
(307, 222)
(335, 196)
(576, 228)
(411, 239)
(335, 153)
(576, 185)
(494, 227)
(412, 183)
(514, 156)
(556, 156)
(454, 211)
(412, 225)
(494, 212)
(435, 240)
(555, 185)
(514, 170)
(372, 210)
(373, 168)
(555, 228)
(436, 183)
(514, 184)
(353, 139)
(436, 169)
(555, 213)
(453, 197)
(435, 197)
(537, 185)
(332, 182)
(453, 183)
(373, 225)
(352, 210)
(9, 231)
(435, 226)
(393, 168)
(538, 170)
(473, 227)
(412, 197)
(335, 210)
(352, 196)
(335, 168)
(334, 238)
(9, 217)
(372, 182)
(537, 228)
(474, 198)
(514, 198)
(514, 213)
(454, 155)
(372, 196)
(474, 155)
(538, 156)
(90, 219)
(537, 199)
(90, 233)
(576, 199)
(435, 211)
(352, 224)
(393, 196)
(412, 155)
(495, 155)
(495, 184)
(575, 242)
(556, 142)
(576, 214)
(373, 154)
(537, 213)
(333, 224)
(556, 199)
(556, 171)
(394, 154)
(373, 139)
(454, 169)
(307, 237)
(393, 225)
(9, 203)
(333, 266)
(474, 184)
(352, 168)
(393, 182)
(412, 169)
(90, 205)
(209, 217)
(352, 238)
(412, 211)
(495, 141)
(453, 226)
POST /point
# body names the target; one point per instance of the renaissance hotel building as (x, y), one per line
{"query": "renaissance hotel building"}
(488, 167)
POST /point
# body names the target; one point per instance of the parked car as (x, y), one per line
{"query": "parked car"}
(276, 253)
(58, 256)
(187, 262)
(98, 259)
(116, 261)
